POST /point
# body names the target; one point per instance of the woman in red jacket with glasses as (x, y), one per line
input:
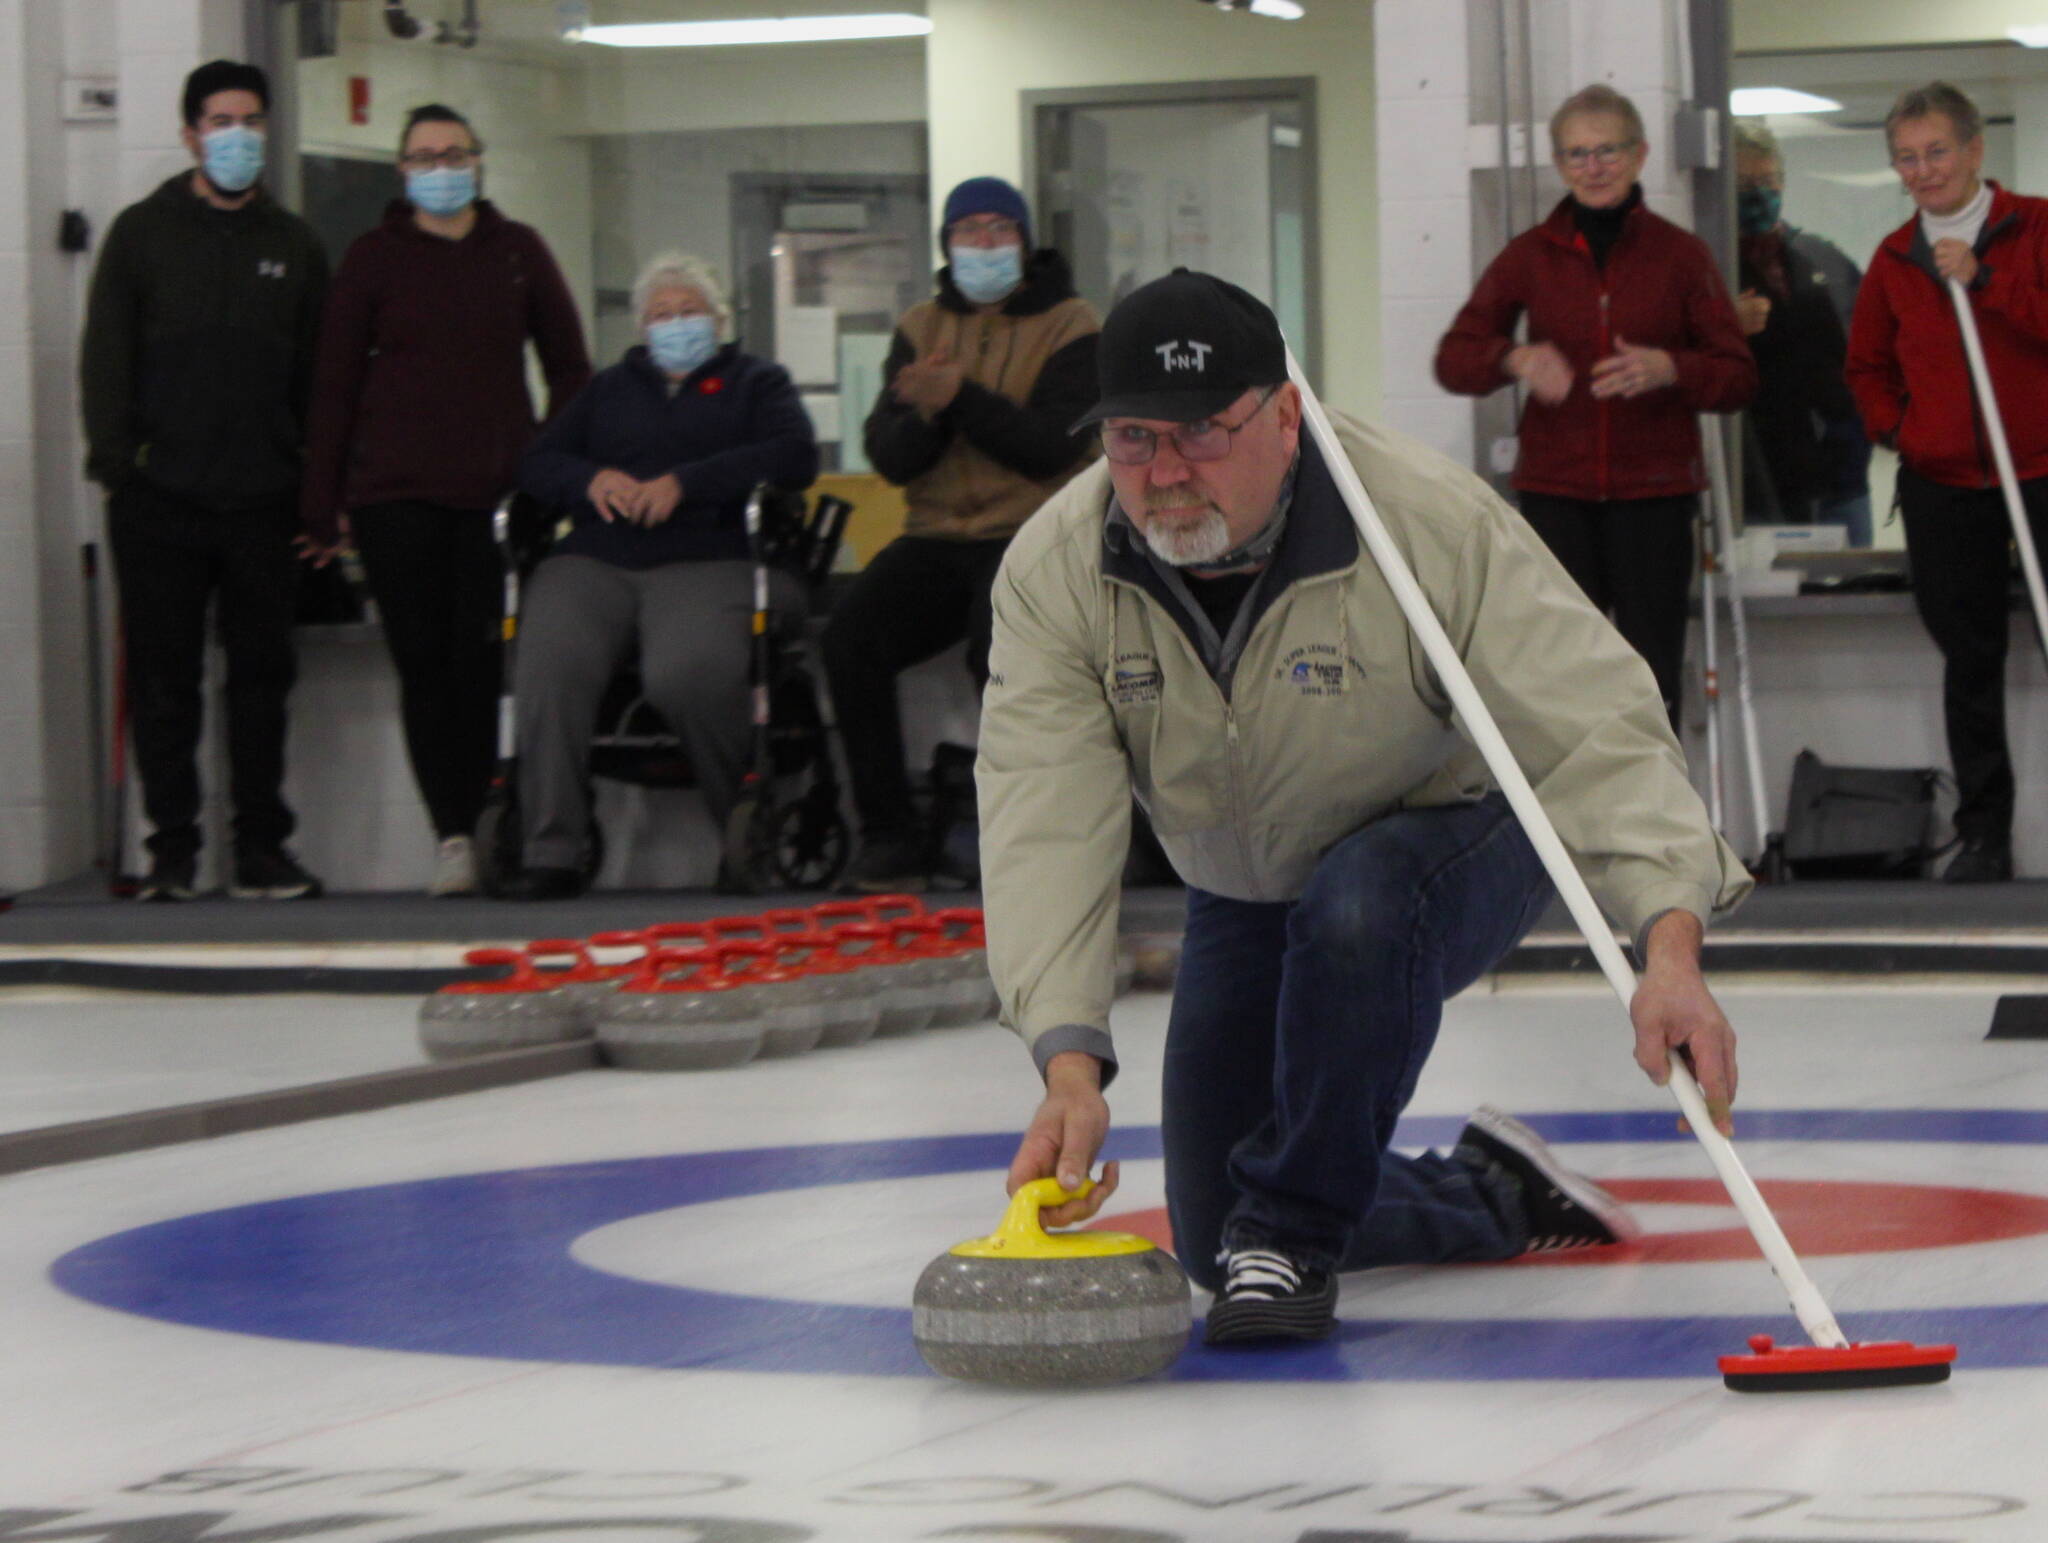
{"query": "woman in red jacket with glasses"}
(1631, 335)
(1911, 381)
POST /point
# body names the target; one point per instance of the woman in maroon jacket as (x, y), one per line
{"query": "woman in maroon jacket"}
(1631, 334)
(1911, 381)
(420, 414)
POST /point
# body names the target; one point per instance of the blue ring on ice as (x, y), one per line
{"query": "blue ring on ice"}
(481, 1265)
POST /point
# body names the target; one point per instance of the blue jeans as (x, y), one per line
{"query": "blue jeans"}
(1299, 1029)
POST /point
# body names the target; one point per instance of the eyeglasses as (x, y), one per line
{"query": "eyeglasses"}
(1579, 157)
(1936, 155)
(1203, 440)
(990, 227)
(454, 158)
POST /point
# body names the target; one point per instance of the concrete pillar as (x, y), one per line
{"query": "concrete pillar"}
(1423, 106)
(2030, 138)
(22, 781)
(48, 164)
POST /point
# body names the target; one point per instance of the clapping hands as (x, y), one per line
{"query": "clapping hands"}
(928, 384)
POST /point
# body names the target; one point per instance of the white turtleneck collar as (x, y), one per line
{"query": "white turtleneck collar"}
(1964, 225)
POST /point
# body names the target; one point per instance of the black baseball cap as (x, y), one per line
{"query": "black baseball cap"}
(1184, 347)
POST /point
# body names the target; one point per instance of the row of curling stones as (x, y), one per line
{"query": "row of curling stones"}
(1029, 1308)
(904, 975)
(872, 970)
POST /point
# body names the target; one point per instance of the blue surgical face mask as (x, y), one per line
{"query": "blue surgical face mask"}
(681, 343)
(442, 190)
(1757, 210)
(985, 274)
(232, 157)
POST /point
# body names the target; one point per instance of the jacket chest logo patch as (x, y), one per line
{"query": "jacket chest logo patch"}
(1135, 680)
(269, 268)
(1314, 670)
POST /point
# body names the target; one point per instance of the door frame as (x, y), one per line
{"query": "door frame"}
(1055, 209)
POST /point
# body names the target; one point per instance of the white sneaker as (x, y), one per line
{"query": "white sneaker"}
(454, 867)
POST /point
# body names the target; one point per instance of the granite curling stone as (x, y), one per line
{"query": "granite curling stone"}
(516, 1011)
(681, 1013)
(1028, 1308)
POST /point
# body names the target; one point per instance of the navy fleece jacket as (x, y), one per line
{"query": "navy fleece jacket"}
(734, 422)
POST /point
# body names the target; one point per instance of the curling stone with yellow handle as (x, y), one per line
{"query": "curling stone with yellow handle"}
(1040, 1309)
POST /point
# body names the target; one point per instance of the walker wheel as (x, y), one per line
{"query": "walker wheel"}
(811, 844)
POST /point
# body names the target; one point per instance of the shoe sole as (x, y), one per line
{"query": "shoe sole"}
(1576, 1187)
(1232, 1323)
(165, 894)
(275, 892)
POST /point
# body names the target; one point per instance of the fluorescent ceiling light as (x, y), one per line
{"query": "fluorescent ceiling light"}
(2032, 37)
(1755, 101)
(1286, 10)
(779, 29)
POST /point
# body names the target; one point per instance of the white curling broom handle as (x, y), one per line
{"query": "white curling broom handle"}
(1806, 1299)
(1710, 681)
(1731, 571)
(2001, 452)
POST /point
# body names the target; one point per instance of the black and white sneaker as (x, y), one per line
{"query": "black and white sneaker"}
(1563, 1209)
(1266, 1295)
(271, 873)
(170, 878)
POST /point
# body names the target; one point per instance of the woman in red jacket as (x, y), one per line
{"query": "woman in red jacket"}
(1631, 334)
(420, 413)
(1911, 381)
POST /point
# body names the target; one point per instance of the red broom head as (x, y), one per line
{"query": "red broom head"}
(1811, 1369)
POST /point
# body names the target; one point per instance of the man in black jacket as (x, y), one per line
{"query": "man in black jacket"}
(1807, 459)
(985, 381)
(195, 372)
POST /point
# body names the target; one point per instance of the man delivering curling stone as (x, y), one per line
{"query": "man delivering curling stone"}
(1196, 621)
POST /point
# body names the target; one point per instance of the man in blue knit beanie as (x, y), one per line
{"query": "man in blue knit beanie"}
(984, 382)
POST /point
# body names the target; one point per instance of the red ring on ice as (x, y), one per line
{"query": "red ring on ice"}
(1820, 1216)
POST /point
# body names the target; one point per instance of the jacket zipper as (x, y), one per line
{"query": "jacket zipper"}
(1237, 814)
(1604, 405)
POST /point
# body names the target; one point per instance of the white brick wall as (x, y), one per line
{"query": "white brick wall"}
(46, 508)
(21, 774)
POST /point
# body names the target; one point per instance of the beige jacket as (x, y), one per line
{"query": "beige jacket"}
(1005, 444)
(1333, 718)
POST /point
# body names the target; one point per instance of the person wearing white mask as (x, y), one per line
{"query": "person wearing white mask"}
(653, 464)
(420, 414)
(194, 373)
(1912, 383)
(985, 381)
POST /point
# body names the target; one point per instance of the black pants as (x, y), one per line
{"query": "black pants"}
(1633, 558)
(918, 597)
(440, 592)
(172, 558)
(1959, 543)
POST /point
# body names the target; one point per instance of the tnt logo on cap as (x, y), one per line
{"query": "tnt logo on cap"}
(1185, 347)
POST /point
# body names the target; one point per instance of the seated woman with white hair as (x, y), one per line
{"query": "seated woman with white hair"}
(653, 462)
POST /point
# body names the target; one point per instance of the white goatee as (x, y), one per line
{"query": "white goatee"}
(1189, 545)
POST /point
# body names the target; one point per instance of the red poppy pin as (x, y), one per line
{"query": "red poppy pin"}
(710, 385)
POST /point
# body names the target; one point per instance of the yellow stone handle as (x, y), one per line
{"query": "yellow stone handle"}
(1021, 1235)
(1021, 1221)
